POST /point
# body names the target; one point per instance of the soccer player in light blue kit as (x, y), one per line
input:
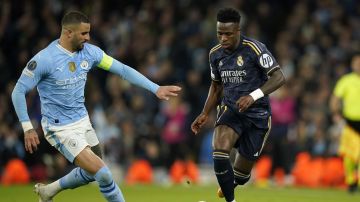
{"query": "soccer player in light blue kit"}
(60, 71)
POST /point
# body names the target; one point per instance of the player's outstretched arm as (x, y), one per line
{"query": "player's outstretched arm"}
(165, 92)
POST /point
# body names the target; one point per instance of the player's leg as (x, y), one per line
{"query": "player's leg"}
(75, 178)
(91, 163)
(349, 149)
(350, 167)
(223, 141)
(242, 172)
(249, 148)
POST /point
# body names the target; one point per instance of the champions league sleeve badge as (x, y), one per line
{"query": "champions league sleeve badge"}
(32, 65)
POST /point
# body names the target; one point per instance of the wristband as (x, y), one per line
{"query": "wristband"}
(26, 125)
(257, 94)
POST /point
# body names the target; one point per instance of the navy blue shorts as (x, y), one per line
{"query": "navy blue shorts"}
(253, 132)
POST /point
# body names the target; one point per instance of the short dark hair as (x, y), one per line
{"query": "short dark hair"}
(228, 15)
(74, 17)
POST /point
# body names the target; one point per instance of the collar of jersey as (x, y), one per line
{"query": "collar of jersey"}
(65, 51)
(237, 48)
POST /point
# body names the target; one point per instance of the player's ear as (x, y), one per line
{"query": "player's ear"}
(67, 31)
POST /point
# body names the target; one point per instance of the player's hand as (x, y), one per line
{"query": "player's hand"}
(165, 92)
(198, 123)
(31, 140)
(244, 102)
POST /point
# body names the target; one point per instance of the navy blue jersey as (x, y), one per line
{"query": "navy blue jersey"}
(243, 71)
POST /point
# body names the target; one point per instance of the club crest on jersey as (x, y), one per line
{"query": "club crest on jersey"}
(73, 143)
(72, 66)
(266, 61)
(240, 61)
(31, 65)
(84, 64)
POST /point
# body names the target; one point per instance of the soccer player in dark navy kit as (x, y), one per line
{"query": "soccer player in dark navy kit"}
(243, 74)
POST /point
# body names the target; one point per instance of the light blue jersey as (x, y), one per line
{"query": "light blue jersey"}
(60, 77)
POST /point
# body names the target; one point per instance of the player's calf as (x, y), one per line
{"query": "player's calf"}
(224, 173)
(241, 178)
(108, 187)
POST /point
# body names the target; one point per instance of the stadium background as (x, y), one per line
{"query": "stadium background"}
(168, 41)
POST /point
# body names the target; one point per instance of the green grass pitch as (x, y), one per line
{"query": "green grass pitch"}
(184, 193)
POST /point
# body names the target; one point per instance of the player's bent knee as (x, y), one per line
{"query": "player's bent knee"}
(103, 175)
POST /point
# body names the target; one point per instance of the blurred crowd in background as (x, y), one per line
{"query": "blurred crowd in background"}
(169, 41)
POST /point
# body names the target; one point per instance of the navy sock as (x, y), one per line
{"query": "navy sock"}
(240, 178)
(224, 173)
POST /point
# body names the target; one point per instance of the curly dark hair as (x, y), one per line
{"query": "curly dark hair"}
(228, 15)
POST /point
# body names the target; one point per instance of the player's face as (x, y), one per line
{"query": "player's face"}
(355, 64)
(228, 34)
(81, 34)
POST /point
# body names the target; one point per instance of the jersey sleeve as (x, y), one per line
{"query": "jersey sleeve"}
(101, 59)
(34, 71)
(106, 62)
(266, 60)
(340, 88)
(214, 71)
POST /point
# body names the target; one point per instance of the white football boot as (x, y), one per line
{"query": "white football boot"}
(40, 190)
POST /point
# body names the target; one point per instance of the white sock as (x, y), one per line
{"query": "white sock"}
(53, 188)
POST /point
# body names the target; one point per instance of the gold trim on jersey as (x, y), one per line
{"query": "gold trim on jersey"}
(253, 46)
(266, 135)
(214, 48)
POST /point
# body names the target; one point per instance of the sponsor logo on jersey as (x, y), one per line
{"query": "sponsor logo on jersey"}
(233, 76)
(72, 66)
(32, 65)
(84, 64)
(72, 82)
(240, 61)
(266, 61)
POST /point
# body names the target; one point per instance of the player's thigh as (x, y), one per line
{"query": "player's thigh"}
(93, 141)
(89, 161)
(242, 164)
(69, 142)
(97, 150)
(224, 138)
